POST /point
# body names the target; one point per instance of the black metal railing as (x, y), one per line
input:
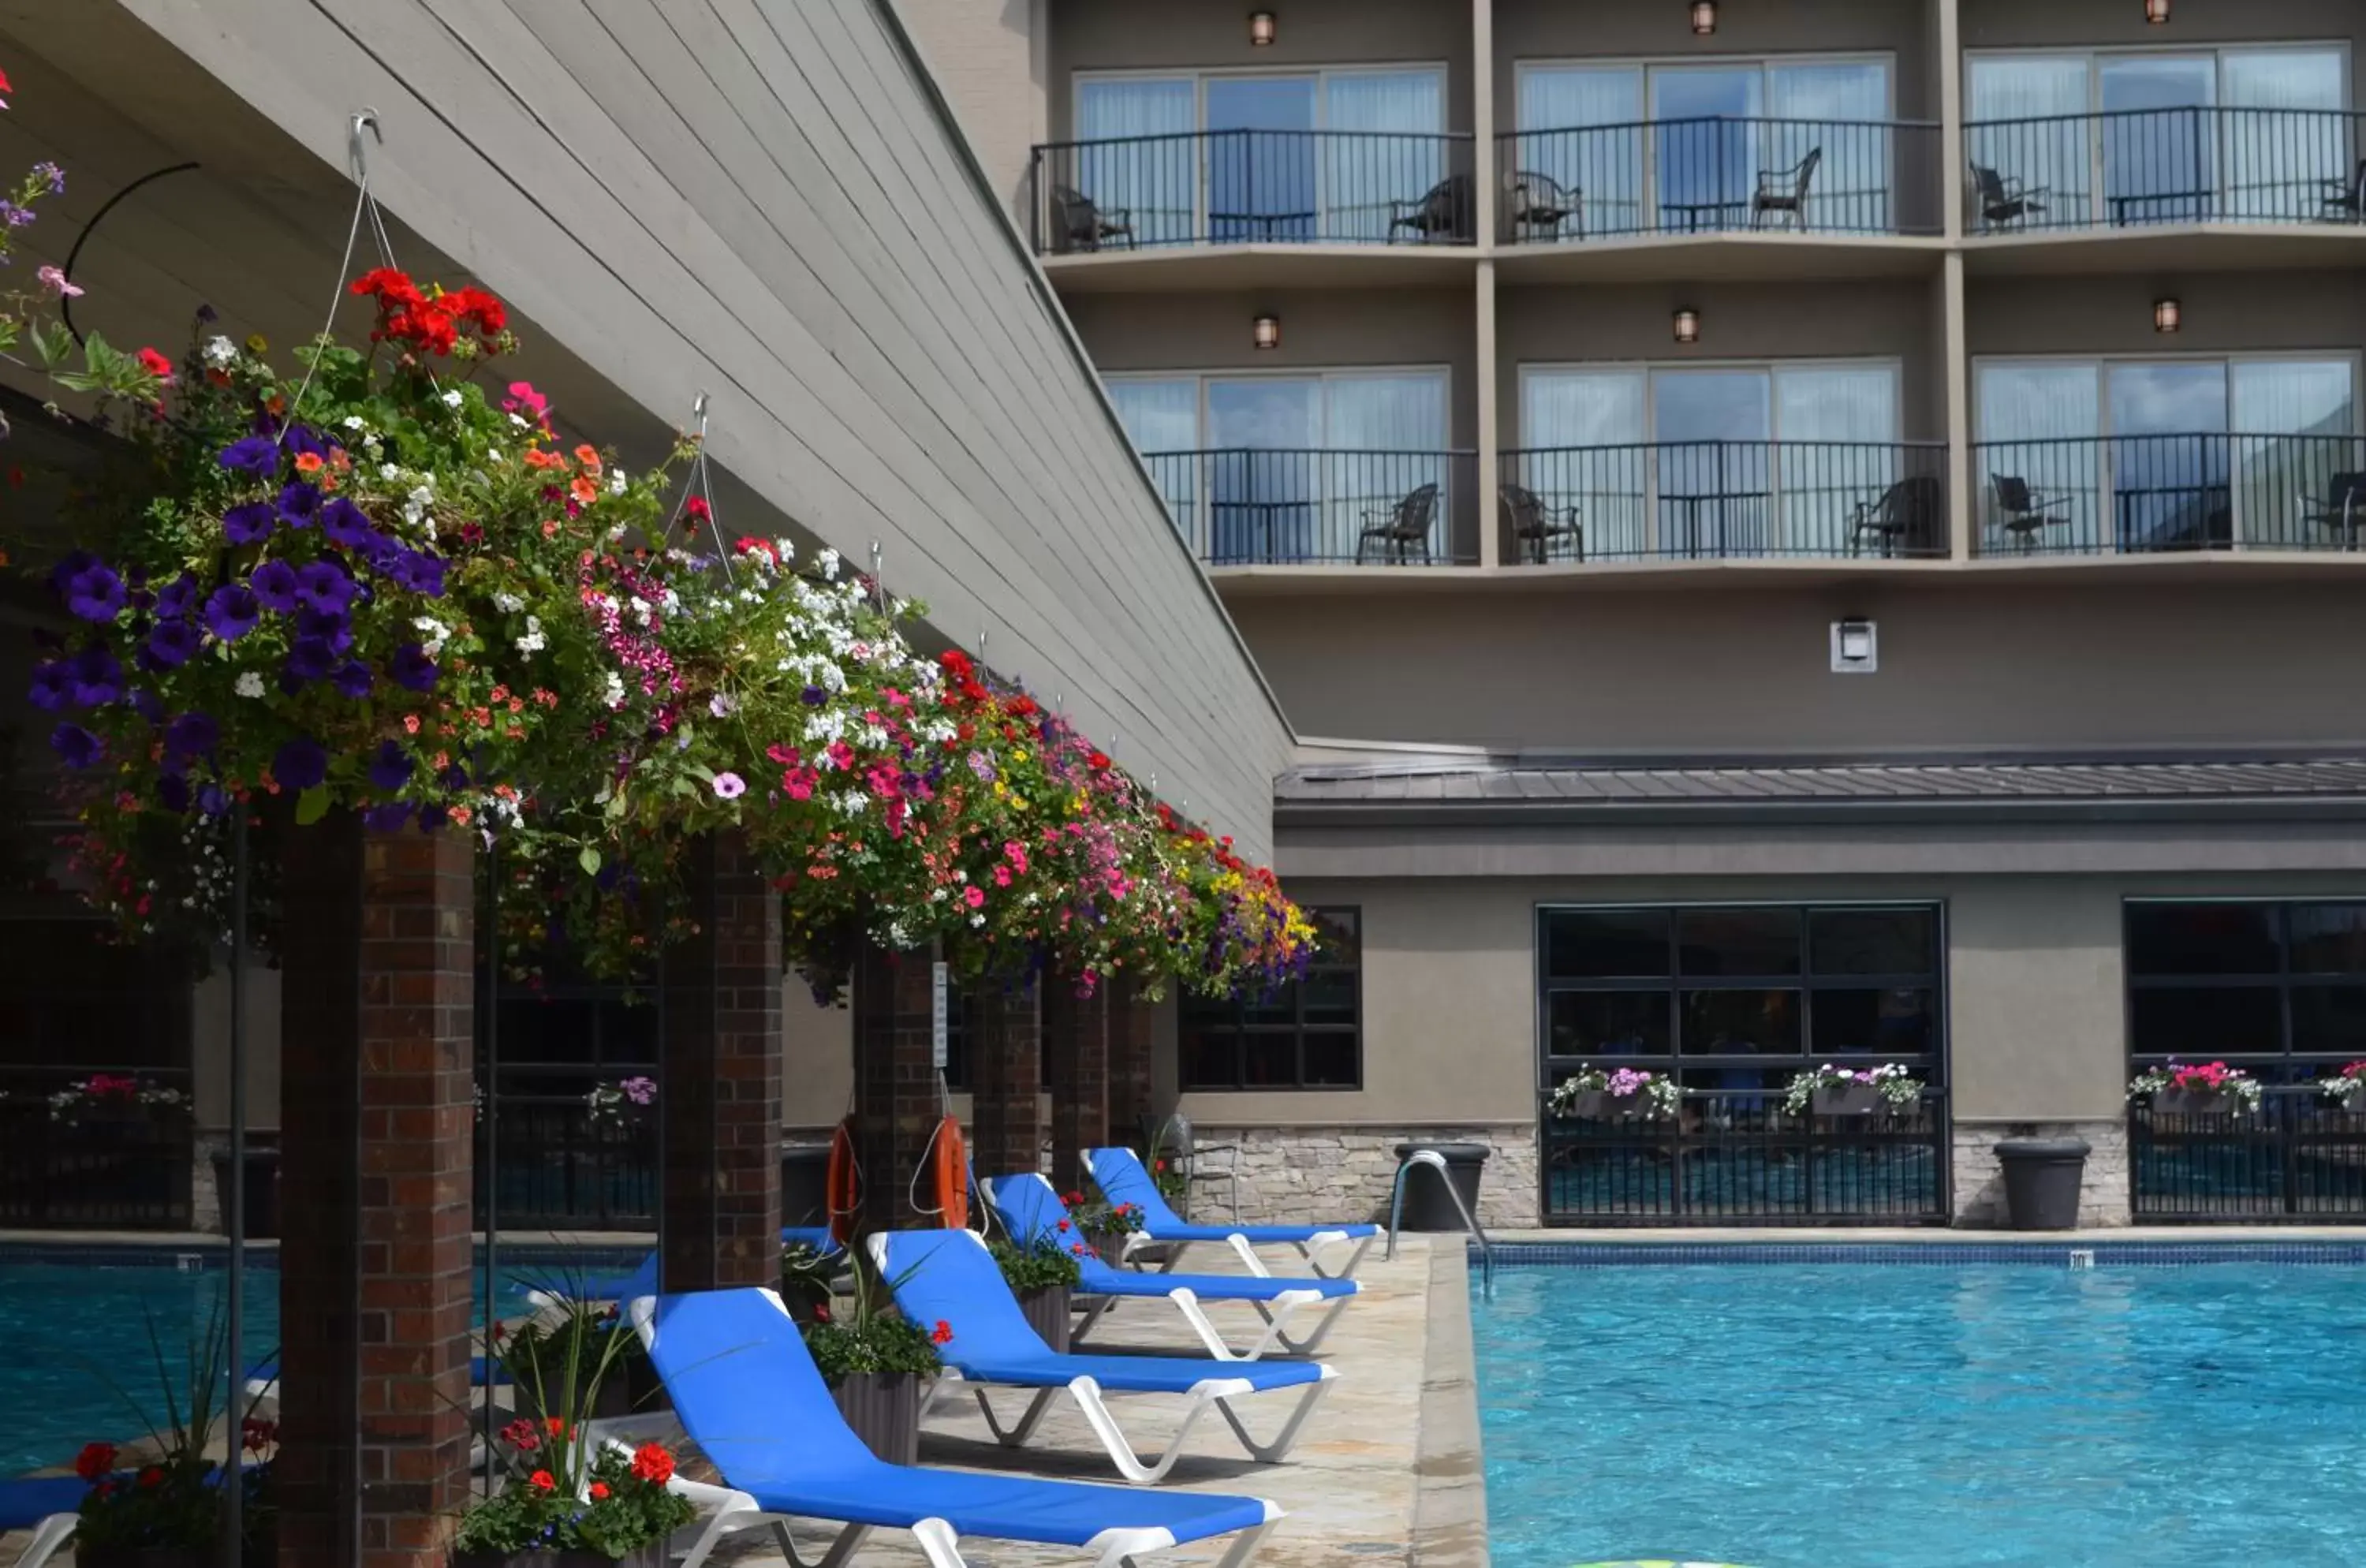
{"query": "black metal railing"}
(1739, 1158)
(124, 1167)
(1300, 507)
(1718, 174)
(1231, 188)
(2299, 1155)
(561, 1170)
(1686, 500)
(2141, 494)
(2171, 165)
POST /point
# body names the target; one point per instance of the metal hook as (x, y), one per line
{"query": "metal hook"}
(357, 151)
(698, 412)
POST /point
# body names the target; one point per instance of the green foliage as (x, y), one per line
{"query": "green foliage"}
(620, 1506)
(1041, 1266)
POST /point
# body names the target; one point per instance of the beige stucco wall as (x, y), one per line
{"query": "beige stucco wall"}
(2026, 24)
(2223, 312)
(209, 1047)
(816, 1059)
(987, 58)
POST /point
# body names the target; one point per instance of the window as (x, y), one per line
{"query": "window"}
(958, 1041)
(1309, 1034)
(2277, 989)
(1740, 998)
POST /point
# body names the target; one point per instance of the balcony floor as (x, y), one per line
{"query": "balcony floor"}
(2182, 247)
(1725, 254)
(1179, 269)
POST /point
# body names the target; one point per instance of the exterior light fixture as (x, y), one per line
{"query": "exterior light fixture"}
(1704, 17)
(1266, 331)
(1855, 648)
(2167, 315)
(2156, 11)
(1261, 29)
(1687, 325)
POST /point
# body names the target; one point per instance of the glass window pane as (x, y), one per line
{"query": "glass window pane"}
(1583, 433)
(2202, 938)
(1327, 996)
(1738, 941)
(1607, 1024)
(1742, 1023)
(1897, 1022)
(1340, 937)
(1211, 1057)
(1331, 1059)
(1269, 1059)
(2329, 1021)
(2290, 132)
(2327, 939)
(2206, 1023)
(2027, 127)
(1139, 155)
(547, 1030)
(1602, 943)
(1873, 941)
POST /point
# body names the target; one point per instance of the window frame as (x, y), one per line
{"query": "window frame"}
(1240, 1030)
(2281, 982)
(1645, 64)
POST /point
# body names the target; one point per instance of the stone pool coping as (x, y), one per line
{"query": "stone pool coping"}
(1450, 1514)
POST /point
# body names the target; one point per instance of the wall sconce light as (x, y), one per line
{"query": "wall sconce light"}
(1688, 325)
(1266, 331)
(1261, 29)
(1704, 17)
(2167, 315)
(1857, 648)
(2156, 11)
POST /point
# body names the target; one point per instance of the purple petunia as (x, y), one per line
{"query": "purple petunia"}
(410, 667)
(249, 521)
(179, 598)
(299, 764)
(172, 644)
(93, 591)
(331, 627)
(274, 583)
(52, 686)
(76, 746)
(324, 585)
(256, 455)
(299, 503)
(421, 573)
(232, 612)
(213, 800)
(391, 768)
(355, 680)
(304, 441)
(147, 705)
(98, 676)
(311, 658)
(391, 818)
(344, 522)
(193, 733)
(814, 697)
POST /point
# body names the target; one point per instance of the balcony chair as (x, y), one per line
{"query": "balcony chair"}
(1532, 528)
(2345, 202)
(1080, 225)
(1399, 530)
(1443, 213)
(2024, 514)
(2343, 509)
(1536, 206)
(2004, 202)
(1783, 192)
(1902, 519)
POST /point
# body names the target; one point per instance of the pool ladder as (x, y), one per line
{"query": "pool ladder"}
(1436, 1162)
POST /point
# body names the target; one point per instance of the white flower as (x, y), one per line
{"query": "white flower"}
(519, 420)
(452, 398)
(353, 421)
(614, 693)
(432, 633)
(508, 604)
(415, 504)
(249, 684)
(219, 352)
(533, 641)
(389, 472)
(616, 482)
(640, 610)
(828, 560)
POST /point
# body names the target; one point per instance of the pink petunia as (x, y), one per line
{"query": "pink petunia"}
(56, 283)
(730, 786)
(974, 897)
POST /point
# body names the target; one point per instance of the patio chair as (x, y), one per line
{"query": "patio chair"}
(46, 1505)
(1906, 515)
(2342, 509)
(1783, 192)
(1442, 213)
(748, 1394)
(1031, 1211)
(1537, 205)
(1118, 1173)
(949, 1277)
(2345, 202)
(1400, 529)
(2025, 513)
(2004, 202)
(1080, 225)
(1531, 525)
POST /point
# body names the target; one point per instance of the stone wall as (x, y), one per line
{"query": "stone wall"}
(1299, 1175)
(1980, 1180)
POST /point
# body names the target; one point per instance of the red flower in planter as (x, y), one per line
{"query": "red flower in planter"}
(94, 1460)
(258, 1434)
(943, 1334)
(653, 1464)
(156, 364)
(542, 1481)
(1063, 1224)
(599, 1491)
(821, 1313)
(151, 1476)
(520, 1435)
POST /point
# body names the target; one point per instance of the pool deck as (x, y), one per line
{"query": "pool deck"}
(1929, 1235)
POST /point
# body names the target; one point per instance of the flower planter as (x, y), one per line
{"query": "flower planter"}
(1850, 1099)
(1109, 1244)
(1601, 1105)
(650, 1556)
(1047, 1315)
(884, 1409)
(2194, 1103)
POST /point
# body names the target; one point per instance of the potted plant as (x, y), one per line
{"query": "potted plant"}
(578, 1360)
(113, 1096)
(1886, 1090)
(806, 1281)
(571, 1502)
(1041, 1276)
(2347, 1089)
(1597, 1094)
(1108, 1228)
(2206, 1088)
(874, 1361)
(621, 1105)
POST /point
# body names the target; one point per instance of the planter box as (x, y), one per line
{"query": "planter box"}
(2195, 1102)
(1109, 1244)
(1047, 1315)
(650, 1556)
(1850, 1099)
(884, 1408)
(1601, 1105)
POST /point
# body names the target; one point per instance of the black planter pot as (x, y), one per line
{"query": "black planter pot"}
(1601, 1105)
(1850, 1099)
(2194, 1103)
(884, 1409)
(2042, 1179)
(650, 1556)
(1047, 1315)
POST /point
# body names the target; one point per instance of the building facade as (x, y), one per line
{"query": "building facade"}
(1788, 533)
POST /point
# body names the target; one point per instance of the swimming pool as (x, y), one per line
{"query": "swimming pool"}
(1846, 1416)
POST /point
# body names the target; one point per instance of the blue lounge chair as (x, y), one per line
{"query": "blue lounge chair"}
(1120, 1175)
(749, 1395)
(949, 1277)
(1031, 1211)
(46, 1505)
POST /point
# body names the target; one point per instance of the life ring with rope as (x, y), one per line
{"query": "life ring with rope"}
(842, 1183)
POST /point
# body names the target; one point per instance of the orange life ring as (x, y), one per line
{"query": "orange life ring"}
(950, 1160)
(842, 1183)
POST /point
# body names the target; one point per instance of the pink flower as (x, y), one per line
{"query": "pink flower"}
(1016, 854)
(841, 755)
(524, 398)
(1002, 877)
(973, 896)
(730, 786)
(55, 281)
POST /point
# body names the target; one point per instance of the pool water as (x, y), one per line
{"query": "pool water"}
(1926, 1416)
(75, 1361)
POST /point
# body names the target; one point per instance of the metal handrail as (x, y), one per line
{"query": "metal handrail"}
(1436, 1162)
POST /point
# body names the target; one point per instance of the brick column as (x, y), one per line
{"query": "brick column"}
(1130, 1098)
(1006, 1046)
(1076, 1043)
(895, 1081)
(378, 1088)
(720, 1099)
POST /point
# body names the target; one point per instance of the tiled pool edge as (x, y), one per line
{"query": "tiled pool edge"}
(1449, 1515)
(2054, 1252)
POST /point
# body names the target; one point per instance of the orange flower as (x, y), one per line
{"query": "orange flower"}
(308, 462)
(411, 723)
(588, 457)
(554, 1426)
(584, 491)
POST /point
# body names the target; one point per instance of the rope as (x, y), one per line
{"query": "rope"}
(357, 163)
(700, 483)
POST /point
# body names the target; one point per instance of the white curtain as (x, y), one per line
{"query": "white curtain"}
(2015, 107)
(1838, 429)
(1365, 175)
(2038, 423)
(2296, 427)
(1580, 127)
(1163, 418)
(2288, 140)
(1139, 158)
(1840, 108)
(1581, 432)
(1385, 440)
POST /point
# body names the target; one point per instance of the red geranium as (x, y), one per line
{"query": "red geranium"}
(151, 1476)
(943, 1333)
(94, 1460)
(156, 364)
(520, 1435)
(653, 1464)
(542, 1481)
(599, 1491)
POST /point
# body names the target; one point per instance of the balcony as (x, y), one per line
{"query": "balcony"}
(1252, 507)
(1684, 501)
(2171, 494)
